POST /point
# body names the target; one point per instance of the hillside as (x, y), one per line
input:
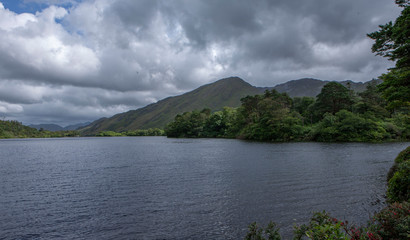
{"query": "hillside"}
(222, 93)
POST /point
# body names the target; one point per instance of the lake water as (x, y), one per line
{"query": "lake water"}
(159, 188)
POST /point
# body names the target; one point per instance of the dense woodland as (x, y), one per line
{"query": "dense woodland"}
(336, 114)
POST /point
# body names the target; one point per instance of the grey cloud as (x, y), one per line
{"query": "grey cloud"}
(103, 57)
(134, 14)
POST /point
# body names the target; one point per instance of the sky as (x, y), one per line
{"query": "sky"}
(72, 61)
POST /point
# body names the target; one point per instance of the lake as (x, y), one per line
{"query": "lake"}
(159, 188)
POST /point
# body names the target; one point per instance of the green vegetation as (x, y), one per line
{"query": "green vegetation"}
(399, 178)
(392, 222)
(255, 232)
(14, 129)
(392, 41)
(144, 132)
(336, 115)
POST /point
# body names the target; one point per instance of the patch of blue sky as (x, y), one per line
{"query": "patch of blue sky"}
(33, 6)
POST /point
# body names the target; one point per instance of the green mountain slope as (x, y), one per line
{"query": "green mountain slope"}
(222, 93)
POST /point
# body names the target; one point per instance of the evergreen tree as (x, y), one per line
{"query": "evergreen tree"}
(393, 41)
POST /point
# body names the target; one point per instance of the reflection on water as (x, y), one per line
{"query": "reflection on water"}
(159, 188)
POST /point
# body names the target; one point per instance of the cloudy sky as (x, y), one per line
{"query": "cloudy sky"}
(70, 61)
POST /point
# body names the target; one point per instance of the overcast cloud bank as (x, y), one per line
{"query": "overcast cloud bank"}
(76, 61)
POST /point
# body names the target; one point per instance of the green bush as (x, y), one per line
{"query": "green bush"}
(393, 222)
(271, 232)
(399, 185)
(403, 156)
(321, 226)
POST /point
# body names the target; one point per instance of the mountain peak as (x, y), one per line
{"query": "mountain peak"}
(235, 81)
(225, 92)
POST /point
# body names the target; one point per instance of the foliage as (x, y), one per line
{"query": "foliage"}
(15, 129)
(399, 185)
(108, 134)
(140, 132)
(402, 157)
(346, 126)
(321, 226)
(304, 106)
(268, 118)
(271, 232)
(371, 102)
(145, 132)
(333, 98)
(399, 177)
(393, 222)
(189, 124)
(338, 115)
(393, 41)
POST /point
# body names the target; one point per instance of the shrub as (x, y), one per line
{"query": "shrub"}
(399, 185)
(403, 156)
(393, 222)
(271, 232)
(321, 226)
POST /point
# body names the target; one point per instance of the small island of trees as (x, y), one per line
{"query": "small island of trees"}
(337, 114)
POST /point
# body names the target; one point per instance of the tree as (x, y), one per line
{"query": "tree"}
(371, 102)
(393, 41)
(333, 98)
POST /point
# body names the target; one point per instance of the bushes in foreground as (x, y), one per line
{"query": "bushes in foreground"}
(393, 222)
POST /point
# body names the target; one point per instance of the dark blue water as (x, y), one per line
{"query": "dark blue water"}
(159, 188)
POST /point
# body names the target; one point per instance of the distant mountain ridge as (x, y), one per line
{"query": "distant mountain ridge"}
(310, 87)
(55, 127)
(222, 93)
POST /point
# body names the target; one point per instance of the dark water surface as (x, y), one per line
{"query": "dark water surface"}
(159, 188)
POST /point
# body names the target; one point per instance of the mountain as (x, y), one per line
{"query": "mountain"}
(55, 127)
(49, 127)
(76, 126)
(222, 93)
(309, 87)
